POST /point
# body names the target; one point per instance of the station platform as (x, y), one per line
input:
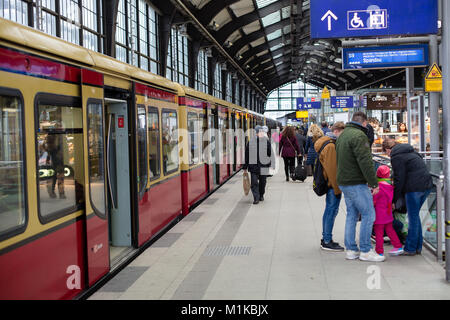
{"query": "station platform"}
(229, 249)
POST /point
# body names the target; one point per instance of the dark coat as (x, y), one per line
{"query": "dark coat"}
(288, 146)
(259, 156)
(410, 172)
(311, 152)
(301, 142)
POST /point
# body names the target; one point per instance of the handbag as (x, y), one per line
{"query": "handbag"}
(246, 183)
(296, 154)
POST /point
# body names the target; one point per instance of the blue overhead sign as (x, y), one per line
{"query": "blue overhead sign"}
(385, 57)
(300, 104)
(371, 18)
(342, 102)
(311, 105)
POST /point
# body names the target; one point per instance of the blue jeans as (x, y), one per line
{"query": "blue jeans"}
(329, 215)
(414, 201)
(358, 200)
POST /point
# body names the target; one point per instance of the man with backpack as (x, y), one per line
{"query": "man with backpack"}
(325, 173)
(357, 179)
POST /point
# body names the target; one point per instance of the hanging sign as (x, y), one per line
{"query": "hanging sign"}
(325, 93)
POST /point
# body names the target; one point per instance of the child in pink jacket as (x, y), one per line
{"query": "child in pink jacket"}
(382, 202)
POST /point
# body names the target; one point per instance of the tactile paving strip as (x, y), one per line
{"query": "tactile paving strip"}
(227, 251)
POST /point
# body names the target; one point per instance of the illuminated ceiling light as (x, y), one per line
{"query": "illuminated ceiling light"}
(228, 44)
(214, 25)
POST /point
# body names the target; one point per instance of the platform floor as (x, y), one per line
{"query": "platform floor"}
(228, 248)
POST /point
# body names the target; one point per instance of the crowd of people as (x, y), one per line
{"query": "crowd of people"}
(371, 194)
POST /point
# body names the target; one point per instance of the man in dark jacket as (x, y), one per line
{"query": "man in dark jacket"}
(259, 157)
(301, 143)
(413, 181)
(355, 174)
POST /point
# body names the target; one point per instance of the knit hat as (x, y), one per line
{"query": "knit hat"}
(383, 172)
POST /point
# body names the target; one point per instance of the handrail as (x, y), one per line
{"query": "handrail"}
(388, 159)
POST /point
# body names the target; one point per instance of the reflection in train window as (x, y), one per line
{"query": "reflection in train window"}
(12, 177)
(96, 157)
(194, 140)
(153, 143)
(142, 149)
(60, 152)
(169, 126)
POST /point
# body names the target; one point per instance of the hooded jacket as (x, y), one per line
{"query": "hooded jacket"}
(354, 157)
(410, 172)
(382, 202)
(329, 162)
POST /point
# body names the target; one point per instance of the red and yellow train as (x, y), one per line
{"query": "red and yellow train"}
(97, 158)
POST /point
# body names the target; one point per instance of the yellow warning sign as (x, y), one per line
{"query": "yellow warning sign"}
(433, 79)
(434, 72)
(325, 93)
(301, 114)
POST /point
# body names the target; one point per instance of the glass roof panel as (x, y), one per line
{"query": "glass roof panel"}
(242, 7)
(252, 27)
(263, 3)
(258, 42)
(271, 18)
(274, 35)
(262, 53)
(277, 56)
(278, 46)
(286, 12)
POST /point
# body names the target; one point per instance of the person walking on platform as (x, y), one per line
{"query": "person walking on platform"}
(325, 128)
(288, 150)
(301, 143)
(259, 157)
(382, 202)
(314, 133)
(412, 181)
(355, 175)
(327, 158)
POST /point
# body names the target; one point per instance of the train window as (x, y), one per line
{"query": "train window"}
(194, 141)
(96, 157)
(60, 156)
(153, 143)
(12, 169)
(169, 141)
(142, 149)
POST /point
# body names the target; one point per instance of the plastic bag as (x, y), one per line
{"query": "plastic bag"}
(246, 183)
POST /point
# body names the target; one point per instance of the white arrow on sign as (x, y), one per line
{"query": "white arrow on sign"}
(329, 15)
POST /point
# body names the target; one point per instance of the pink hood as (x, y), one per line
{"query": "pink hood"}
(382, 202)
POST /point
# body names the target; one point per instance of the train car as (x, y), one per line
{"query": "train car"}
(97, 159)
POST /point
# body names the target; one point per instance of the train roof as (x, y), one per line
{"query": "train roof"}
(40, 41)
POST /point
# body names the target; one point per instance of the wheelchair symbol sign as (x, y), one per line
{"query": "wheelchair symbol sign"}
(367, 19)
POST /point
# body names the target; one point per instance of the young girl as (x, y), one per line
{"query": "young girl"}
(382, 202)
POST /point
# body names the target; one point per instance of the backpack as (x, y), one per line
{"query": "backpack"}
(320, 184)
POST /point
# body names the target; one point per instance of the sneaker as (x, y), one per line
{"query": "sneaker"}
(331, 246)
(351, 255)
(255, 202)
(371, 256)
(396, 251)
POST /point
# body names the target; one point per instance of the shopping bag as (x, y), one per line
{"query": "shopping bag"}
(246, 183)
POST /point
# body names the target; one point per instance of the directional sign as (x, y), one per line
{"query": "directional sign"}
(312, 105)
(385, 57)
(301, 114)
(370, 18)
(342, 102)
(433, 79)
(299, 103)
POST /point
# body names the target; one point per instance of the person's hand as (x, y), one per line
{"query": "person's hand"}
(375, 190)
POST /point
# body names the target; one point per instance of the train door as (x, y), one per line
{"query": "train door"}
(234, 141)
(118, 169)
(97, 245)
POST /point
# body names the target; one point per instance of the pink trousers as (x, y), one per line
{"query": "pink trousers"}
(379, 234)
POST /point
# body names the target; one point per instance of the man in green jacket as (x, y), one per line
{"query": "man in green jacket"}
(355, 175)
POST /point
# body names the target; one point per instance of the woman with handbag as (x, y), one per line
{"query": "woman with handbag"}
(289, 150)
